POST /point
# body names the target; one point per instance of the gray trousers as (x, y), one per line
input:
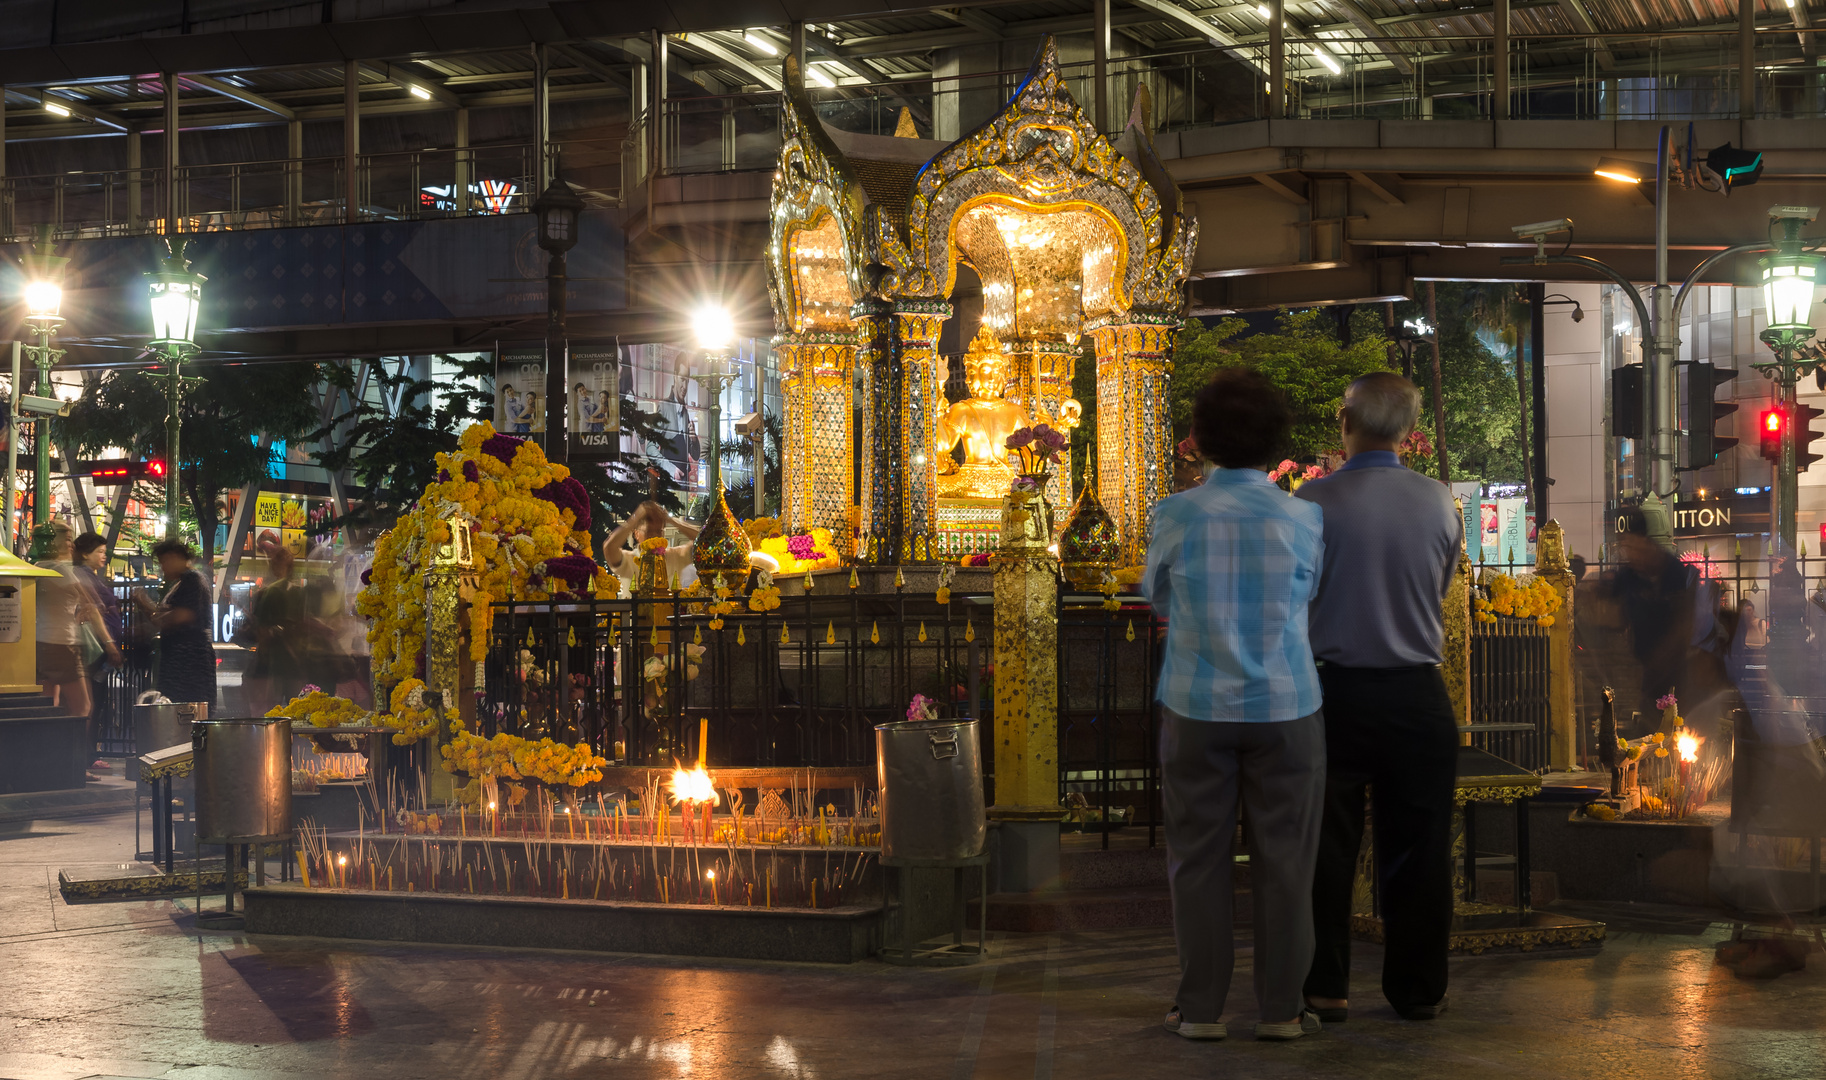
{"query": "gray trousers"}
(1278, 772)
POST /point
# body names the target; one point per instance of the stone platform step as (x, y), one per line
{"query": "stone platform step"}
(134, 880)
(108, 796)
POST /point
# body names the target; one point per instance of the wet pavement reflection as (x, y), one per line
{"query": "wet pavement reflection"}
(130, 989)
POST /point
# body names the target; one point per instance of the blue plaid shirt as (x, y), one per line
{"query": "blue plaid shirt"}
(1232, 565)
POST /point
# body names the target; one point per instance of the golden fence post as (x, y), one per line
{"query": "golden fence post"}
(450, 563)
(1553, 568)
(1026, 667)
(1456, 664)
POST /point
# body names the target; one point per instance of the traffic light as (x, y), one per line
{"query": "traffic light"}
(1700, 414)
(1737, 168)
(1769, 433)
(1804, 434)
(114, 472)
(1626, 402)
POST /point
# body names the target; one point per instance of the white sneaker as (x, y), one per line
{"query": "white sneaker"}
(1307, 1024)
(1186, 1030)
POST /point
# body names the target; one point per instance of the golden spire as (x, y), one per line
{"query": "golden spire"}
(905, 129)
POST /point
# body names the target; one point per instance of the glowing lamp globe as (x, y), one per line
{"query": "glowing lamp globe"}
(713, 327)
(1788, 284)
(43, 300)
(176, 294)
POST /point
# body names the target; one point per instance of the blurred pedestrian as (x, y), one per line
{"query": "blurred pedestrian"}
(1392, 542)
(68, 618)
(1658, 597)
(277, 620)
(1232, 564)
(187, 659)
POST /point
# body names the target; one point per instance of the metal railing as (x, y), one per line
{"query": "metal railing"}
(804, 684)
(265, 194)
(118, 688)
(1511, 711)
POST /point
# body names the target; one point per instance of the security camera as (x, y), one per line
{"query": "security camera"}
(1539, 229)
(749, 424)
(1799, 213)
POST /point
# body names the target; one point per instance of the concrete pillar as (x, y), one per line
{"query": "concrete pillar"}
(351, 141)
(1746, 59)
(294, 170)
(1100, 48)
(796, 35)
(1277, 60)
(1499, 61)
(1552, 566)
(460, 176)
(169, 80)
(542, 117)
(136, 208)
(659, 107)
(1026, 810)
(960, 103)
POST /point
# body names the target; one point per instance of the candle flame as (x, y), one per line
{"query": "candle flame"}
(1688, 746)
(711, 874)
(693, 786)
(342, 860)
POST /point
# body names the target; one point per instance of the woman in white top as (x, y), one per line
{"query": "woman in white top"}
(648, 520)
(65, 605)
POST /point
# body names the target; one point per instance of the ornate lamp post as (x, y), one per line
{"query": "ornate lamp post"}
(715, 332)
(43, 315)
(1789, 275)
(557, 208)
(176, 294)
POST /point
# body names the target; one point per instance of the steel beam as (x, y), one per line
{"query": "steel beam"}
(241, 94)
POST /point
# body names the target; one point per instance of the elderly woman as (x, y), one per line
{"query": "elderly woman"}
(187, 659)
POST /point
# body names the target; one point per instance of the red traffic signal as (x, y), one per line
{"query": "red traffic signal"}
(1769, 427)
(115, 472)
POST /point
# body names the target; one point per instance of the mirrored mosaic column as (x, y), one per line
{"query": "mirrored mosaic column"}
(878, 355)
(922, 388)
(1135, 425)
(816, 373)
(1043, 379)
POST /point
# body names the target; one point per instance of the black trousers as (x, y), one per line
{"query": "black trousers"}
(1389, 733)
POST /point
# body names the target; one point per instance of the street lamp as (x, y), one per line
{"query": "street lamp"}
(557, 209)
(44, 273)
(714, 329)
(176, 294)
(1789, 275)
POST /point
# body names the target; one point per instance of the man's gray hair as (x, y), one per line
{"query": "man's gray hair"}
(1383, 405)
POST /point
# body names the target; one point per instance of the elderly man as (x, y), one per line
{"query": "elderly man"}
(1392, 539)
(1232, 564)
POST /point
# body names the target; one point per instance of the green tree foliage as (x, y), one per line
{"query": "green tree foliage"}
(391, 454)
(225, 412)
(738, 453)
(1481, 398)
(1304, 357)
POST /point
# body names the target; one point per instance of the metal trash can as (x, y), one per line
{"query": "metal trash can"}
(931, 777)
(157, 727)
(243, 773)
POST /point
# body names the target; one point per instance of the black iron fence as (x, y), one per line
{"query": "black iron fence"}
(803, 684)
(114, 689)
(1511, 711)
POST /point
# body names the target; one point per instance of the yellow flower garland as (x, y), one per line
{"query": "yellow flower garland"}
(1536, 600)
(512, 532)
(322, 710)
(509, 757)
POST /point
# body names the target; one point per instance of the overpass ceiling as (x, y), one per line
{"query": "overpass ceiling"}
(107, 56)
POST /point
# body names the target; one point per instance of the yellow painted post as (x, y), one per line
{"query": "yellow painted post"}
(19, 625)
(1456, 665)
(1551, 565)
(450, 563)
(1026, 666)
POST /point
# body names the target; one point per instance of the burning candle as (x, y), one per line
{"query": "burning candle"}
(703, 742)
(342, 871)
(711, 874)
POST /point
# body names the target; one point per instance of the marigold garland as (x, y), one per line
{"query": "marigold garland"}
(510, 757)
(322, 710)
(495, 483)
(1534, 599)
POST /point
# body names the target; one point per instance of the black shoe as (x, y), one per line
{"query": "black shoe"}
(1421, 1012)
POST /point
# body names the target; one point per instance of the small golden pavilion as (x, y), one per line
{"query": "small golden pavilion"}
(1070, 235)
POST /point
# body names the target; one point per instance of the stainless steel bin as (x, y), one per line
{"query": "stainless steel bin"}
(931, 776)
(161, 726)
(243, 774)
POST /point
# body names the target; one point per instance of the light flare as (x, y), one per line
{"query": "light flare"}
(1688, 747)
(693, 786)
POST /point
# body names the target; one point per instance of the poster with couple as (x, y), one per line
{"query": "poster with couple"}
(593, 404)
